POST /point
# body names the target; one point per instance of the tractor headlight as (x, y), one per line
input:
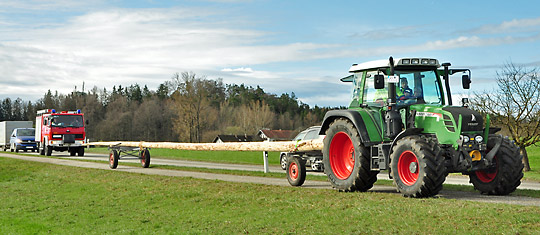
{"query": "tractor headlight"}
(466, 139)
(18, 141)
(479, 138)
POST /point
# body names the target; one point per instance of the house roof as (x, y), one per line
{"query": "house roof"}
(278, 134)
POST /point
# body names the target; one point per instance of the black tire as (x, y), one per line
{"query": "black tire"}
(506, 176)
(113, 159)
(48, 150)
(72, 152)
(80, 151)
(296, 171)
(417, 166)
(41, 150)
(347, 173)
(144, 155)
(283, 161)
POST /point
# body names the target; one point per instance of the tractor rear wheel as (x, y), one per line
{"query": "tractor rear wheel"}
(345, 159)
(296, 171)
(417, 167)
(505, 176)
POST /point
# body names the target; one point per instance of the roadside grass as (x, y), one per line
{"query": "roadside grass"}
(236, 157)
(534, 160)
(324, 178)
(47, 198)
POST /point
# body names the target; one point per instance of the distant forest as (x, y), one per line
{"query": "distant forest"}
(187, 108)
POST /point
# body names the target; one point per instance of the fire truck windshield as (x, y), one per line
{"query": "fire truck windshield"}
(67, 121)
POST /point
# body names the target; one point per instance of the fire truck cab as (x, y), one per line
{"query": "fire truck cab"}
(60, 131)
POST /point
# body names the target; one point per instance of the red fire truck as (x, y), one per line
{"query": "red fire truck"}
(60, 131)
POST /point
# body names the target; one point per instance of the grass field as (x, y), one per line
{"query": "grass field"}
(237, 157)
(45, 198)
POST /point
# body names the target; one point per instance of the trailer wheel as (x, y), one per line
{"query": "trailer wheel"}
(80, 151)
(144, 155)
(417, 167)
(505, 176)
(296, 171)
(345, 159)
(113, 159)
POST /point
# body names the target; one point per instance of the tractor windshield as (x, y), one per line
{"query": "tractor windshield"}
(418, 87)
(414, 87)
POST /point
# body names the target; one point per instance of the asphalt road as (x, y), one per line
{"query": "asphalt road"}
(65, 159)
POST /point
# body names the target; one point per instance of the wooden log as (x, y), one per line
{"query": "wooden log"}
(281, 146)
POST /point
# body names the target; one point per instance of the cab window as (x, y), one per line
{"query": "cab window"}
(372, 96)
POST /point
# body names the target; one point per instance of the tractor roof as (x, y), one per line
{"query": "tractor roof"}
(401, 62)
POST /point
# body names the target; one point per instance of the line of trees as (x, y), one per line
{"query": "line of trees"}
(187, 108)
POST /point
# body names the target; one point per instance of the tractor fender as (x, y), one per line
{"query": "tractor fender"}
(404, 133)
(352, 115)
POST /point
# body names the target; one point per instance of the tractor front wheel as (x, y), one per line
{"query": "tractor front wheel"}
(417, 167)
(505, 176)
(345, 159)
(296, 171)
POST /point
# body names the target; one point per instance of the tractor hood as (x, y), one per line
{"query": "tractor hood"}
(470, 119)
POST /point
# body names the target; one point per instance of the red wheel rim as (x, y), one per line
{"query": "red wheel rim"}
(111, 158)
(487, 176)
(408, 168)
(293, 170)
(143, 159)
(342, 155)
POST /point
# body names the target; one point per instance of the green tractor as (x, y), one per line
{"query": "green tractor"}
(400, 120)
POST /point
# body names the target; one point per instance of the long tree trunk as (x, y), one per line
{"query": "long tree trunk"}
(526, 166)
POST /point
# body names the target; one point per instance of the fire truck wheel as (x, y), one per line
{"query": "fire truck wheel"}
(41, 151)
(48, 150)
(72, 152)
(113, 159)
(144, 155)
(80, 151)
(296, 171)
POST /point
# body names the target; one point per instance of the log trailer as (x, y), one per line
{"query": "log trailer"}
(60, 131)
(401, 119)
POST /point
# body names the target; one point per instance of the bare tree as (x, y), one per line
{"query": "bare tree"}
(515, 106)
(192, 106)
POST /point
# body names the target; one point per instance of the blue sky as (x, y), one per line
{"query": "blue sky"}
(303, 47)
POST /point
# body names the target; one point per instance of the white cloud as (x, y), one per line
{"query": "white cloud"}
(144, 46)
(515, 25)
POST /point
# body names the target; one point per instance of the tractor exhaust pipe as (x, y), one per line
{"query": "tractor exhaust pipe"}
(392, 117)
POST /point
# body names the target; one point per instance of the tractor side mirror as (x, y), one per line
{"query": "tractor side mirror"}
(466, 81)
(378, 81)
